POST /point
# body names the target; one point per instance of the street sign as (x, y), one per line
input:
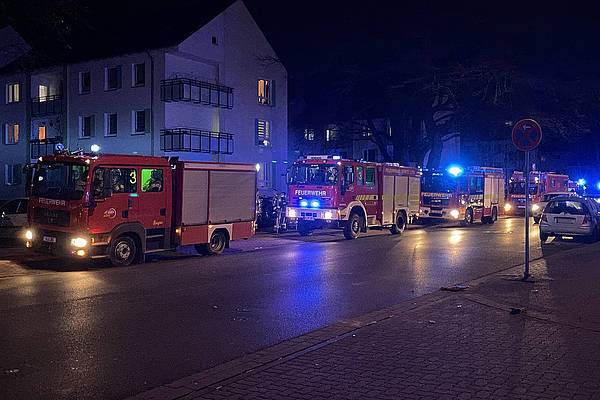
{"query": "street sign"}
(526, 134)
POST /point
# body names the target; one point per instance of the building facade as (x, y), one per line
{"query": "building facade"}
(218, 95)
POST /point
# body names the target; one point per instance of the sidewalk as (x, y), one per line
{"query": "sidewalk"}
(445, 345)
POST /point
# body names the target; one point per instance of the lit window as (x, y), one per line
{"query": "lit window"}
(110, 124)
(263, 132)
(112, 78)
(265, 91)
(13, 93)
(86, 126)
(41, 132)
(11, 133)
(329, 135)
(84, 82)
(43, 92)
(138, 77)
(309, 134)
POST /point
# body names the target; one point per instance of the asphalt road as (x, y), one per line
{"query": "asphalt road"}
(74, 331)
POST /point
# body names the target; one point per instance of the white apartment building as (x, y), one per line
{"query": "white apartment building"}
(218, 95)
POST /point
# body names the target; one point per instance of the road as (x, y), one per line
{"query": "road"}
(74, 331)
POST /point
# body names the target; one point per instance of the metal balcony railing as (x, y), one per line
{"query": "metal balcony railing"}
(197, 92)
(46, 105)
(43, 147)
(196, 141)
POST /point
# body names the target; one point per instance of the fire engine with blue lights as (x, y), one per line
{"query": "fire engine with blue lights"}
(541, 184)
(327, 191)
(462, 195)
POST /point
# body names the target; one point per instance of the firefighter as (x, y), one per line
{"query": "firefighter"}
(118, 183)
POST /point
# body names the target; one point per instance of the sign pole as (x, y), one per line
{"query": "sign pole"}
(526, 274)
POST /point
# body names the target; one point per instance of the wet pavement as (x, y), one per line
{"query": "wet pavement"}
(73, 330)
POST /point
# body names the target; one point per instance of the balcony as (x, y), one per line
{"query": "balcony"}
(196, 92)
(43, 147)
(196, 141)
(46, 105)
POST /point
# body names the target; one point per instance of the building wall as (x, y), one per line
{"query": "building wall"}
(13, 154)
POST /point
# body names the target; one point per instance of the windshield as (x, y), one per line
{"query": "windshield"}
(438, 182)
(315, 174)
(64, 181)
(567, 207)
(519, 188)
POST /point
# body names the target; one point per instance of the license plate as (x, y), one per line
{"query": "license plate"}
(308, 218)
(570, 221)
(50, 239)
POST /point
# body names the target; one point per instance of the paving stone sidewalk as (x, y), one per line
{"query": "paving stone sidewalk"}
(445, 345)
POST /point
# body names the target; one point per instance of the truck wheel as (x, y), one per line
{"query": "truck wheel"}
(399, 226)
(494, 215)
(215, 246)
(304, 228)
(468, 217)
(352, 226)
(122, 251)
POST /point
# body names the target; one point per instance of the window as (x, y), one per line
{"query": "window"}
(11, 133)
(140, 122)
(13, 93)
(347, 177)
(329, 135)
(152, 180)
(42, 92)
(264, 175)
(138, 74)
(309, 134)
(110, 124)
(86, 126)
(112, 78)
(41, 132)
(370, 176)
(119, 180)
(476, 185)
(263, 132)
(214, 40)
(84, 82)
(265, 91)
(359, 176)
(12, 174)
(17, 206)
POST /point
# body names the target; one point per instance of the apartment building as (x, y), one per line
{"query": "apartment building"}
(218, 94)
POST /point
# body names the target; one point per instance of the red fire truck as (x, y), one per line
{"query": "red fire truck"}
(353, 195)
(125, 206)
(465, 195)
(540, 183)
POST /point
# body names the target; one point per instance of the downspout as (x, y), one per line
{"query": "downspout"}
(151, 102)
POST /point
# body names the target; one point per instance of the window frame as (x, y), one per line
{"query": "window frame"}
(107, 126)
(134, 75)
(9, 174)
(367, 181)
(82, 119)
(162, 180)
(16, 137)
(267, 98)
(119, 83)
(266, 139)
(11, 93)
(81, 81)
(134, 122)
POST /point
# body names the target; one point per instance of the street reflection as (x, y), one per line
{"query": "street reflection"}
(455, 236)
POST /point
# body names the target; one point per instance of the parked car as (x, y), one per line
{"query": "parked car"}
(538, 207)
(13, 217)
(570, 216)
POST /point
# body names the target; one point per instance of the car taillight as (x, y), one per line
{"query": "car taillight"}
(544, 218)
(586, 220)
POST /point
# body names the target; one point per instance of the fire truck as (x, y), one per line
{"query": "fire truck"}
(353, 195)
(123, 207)
(465, 195)
(540, 184)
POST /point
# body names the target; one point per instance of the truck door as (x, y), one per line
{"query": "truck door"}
(114, 192)
(154, 200)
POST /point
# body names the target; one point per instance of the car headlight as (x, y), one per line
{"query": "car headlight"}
(507, 207)
(315, 204)
(455, 214)
(79, 242)
(28, 234)
(292, 213)
(304, 203)
(328, 215)
(535, 207)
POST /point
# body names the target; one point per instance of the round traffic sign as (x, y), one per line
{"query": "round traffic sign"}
(526, 134)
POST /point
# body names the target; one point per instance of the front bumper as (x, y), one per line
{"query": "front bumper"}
(313, 214)
(441, 213)
(59, 244)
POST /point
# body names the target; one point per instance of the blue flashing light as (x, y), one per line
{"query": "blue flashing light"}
(59, 146)
(133, 195)
(455, 170)
(337, 157)
(274, 161)
(304, 203)
(581, 182)
(315, 204)
(598, 185)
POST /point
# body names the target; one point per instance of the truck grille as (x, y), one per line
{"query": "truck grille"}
(45, 216)
(436, 201)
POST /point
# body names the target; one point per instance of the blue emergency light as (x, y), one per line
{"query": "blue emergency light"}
(455, 170)
(304, 203)
(315, 204)
(581, 182)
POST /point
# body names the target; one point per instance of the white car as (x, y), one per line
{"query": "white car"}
(13, 216)
(537, 208)
(570, 216)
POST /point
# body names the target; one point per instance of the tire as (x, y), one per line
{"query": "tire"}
(399, 226)
(494, 217)
(468, 217)
(304, 228)
(122, 251)
(543, 237)
(216, 245)
(353, 226)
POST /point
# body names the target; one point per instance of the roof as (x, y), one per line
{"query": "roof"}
(113, 27)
